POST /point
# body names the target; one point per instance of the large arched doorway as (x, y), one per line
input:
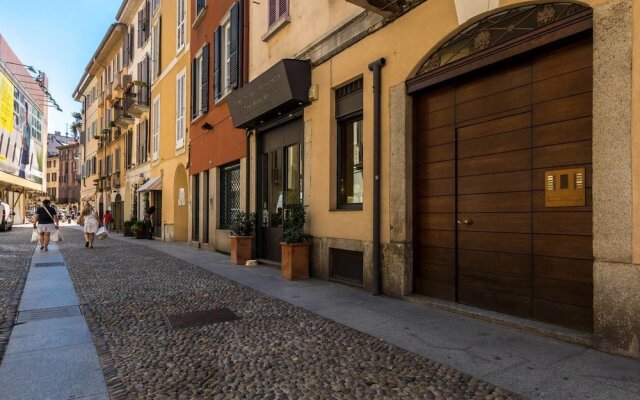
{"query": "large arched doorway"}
(101, 207)
(117, 209)
(181, 208)
(503, 124)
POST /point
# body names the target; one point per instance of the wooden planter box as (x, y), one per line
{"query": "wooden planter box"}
(241, 247)
(141, 234)
(127, 230)
(295, 261)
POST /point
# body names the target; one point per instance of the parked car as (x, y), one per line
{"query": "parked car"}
(7, 217)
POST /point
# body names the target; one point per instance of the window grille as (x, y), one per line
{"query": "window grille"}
(229, 195)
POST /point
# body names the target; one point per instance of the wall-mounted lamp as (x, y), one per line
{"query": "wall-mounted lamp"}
(207, 126)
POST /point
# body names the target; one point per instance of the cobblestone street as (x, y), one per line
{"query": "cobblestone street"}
(15, 252)
(275, 350)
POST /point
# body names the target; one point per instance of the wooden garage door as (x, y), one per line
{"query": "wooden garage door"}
(484, 236)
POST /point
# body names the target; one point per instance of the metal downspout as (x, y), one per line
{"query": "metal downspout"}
(376, 68)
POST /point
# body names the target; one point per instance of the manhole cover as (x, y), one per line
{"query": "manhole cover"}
(50, 264)
(48, 313)
(201, 317)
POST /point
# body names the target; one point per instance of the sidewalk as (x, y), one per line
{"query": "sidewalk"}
(51, 354)
(528, 364)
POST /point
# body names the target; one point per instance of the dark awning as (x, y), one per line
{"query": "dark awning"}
(280, 89)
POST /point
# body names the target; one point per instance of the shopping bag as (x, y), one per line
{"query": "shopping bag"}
(102, 233)
(35, 236)
(56, 236)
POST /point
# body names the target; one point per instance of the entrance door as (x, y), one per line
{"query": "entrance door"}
(280, 180)
(484, 235)
(118, 213)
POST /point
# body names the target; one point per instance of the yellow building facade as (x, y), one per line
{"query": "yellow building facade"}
(170, 108)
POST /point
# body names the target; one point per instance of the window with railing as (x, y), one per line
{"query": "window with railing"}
(229, 194)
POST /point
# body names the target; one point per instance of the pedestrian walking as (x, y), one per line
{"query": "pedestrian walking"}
(91, 222)
(46, 221)
(107, 220)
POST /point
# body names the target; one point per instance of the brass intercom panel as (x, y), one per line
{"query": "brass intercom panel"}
(565, 188)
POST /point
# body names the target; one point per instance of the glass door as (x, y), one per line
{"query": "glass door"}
(281, 186)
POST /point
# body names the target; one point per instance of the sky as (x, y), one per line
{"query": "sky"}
(57, 37)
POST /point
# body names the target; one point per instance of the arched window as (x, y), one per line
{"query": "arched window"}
(497, 29)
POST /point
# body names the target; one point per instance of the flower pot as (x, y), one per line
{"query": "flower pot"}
(295, 260)
(127, 230)
(240, 249)
(141, 233)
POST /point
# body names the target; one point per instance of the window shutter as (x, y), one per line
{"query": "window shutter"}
(139, 77)
(217, 78)
(194, 69)
(159, 45)
(145, 73)
(131, 46)
(125, 50)
(140, 27)
(272, 12)
(234, 45)
(205, 79)
(283, 8)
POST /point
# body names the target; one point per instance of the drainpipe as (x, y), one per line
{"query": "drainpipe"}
(376, 67)
(247, 205)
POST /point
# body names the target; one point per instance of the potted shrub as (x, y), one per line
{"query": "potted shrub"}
(241, 237)
(295, 244)
(139, 229)
(127, 227)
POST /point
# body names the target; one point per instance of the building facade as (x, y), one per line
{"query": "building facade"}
(69, 174)
(54, 141)
(481, 161)
(22, 123)
(170, 108)
(218, 151)
(478, 153)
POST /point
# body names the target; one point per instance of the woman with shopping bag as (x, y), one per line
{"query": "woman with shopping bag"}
(46, 221)
(91, 222)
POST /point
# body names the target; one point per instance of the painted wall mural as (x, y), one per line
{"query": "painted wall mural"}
(21, 148)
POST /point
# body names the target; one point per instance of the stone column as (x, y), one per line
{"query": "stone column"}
(616, 278)
(397, 266)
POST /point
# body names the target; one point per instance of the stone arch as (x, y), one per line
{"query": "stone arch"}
(491, 29)
(180, 204)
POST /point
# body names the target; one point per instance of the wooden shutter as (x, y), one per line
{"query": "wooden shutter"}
(140, 27)
(234, 52)
(205, 79)
(125, 50)
(194, 74)
(131, 46)
(217, 62)
(139, 76)
(159, 45)
(273, 14)
(283, 8)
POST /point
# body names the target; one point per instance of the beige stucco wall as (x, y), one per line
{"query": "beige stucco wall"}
(635, 126)
(311, 20)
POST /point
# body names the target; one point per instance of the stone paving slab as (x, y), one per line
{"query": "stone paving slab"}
(49, 334)
(59, 373)
(35, 300)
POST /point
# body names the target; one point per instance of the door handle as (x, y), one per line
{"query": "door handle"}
(465, 221)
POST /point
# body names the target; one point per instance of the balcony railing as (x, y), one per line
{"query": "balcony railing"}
(115, 180)
(122, 119)
(136, 100)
